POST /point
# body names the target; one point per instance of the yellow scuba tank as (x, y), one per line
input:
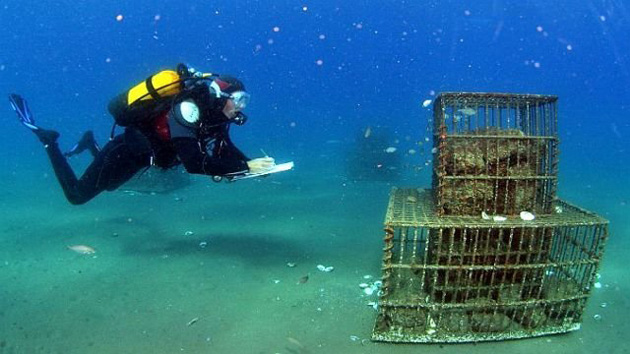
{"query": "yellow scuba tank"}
(150, 98)
(163, 84)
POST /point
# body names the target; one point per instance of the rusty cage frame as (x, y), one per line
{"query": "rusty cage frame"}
(495, 152)
(463, 278)
(460, 262)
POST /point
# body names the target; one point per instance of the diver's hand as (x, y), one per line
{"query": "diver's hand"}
(261, 164)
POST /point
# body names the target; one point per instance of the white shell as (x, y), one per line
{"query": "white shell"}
(323, 268)
(527, 216)
(499, 218)
(484, 215)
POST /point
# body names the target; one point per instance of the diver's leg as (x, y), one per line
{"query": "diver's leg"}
(121, 158)
(87, 142)
(112, 166)
(63, 171)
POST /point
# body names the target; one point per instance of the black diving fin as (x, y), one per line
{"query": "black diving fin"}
(87, 142)
(20, 106)
(21, 109)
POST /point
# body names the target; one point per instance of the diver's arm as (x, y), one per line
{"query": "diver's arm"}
(197, 161)
(225, 146)
(184, 129)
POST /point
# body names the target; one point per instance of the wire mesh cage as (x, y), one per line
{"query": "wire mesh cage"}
(495, 152)
(464, 278)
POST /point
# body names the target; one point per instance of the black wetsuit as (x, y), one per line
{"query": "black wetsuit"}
(203, 147)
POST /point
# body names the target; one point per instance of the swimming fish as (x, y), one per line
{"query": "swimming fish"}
(192, 322)
(467, 111)
(296, 343)
(368, 132)
(82, 249)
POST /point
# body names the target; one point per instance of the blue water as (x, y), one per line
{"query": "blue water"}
(320, 73)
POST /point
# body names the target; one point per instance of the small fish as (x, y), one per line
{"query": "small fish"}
(303, 279)
(82, 249)
(295, 342)
(368, 132)
(426, 103)
(192, 322)
(390, 150)
(467, 111)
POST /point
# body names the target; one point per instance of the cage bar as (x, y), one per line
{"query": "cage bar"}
(465, 278)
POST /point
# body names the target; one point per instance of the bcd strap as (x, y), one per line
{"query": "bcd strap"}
(152, 91)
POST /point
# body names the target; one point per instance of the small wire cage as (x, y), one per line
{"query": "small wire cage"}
(495, 152)
(464, 278)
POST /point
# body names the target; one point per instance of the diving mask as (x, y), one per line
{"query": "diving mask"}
(240, 99)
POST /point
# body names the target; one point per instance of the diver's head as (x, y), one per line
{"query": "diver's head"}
(231, 97)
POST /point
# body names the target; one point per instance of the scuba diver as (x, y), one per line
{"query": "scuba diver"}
(172, 118)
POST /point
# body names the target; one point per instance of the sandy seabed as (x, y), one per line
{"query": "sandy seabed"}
(204, 270)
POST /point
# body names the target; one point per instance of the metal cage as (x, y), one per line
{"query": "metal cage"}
(464, 278)
(460, 263)
(495, 152)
